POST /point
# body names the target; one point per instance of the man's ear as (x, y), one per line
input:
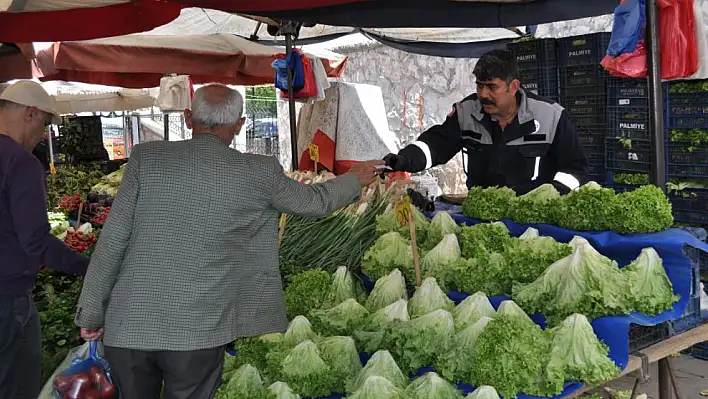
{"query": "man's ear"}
(514, 86)
(188, 118)
(239, 125)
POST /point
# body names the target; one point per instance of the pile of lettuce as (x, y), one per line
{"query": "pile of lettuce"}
(317, 289)
(591, 207)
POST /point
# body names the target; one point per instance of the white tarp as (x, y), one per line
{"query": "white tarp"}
(54, 5)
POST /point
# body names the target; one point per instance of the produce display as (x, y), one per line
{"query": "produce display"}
(591, 207)
(109, 184)
(92, 385)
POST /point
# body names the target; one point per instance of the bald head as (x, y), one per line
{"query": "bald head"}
(216, 109)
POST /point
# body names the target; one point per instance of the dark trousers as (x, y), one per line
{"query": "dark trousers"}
(20, 348)
(187, 375)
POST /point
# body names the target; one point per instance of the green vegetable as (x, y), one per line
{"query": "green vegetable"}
(418, 342)
(644, 210)
(441, 225)
(382, 365)
(341, 355)
(343, 287)
(535, 206)
(390, 251)
(577, 355)
(584, 282)
(509, 309)
(304, 370)
(342, 319)
(387, 290)
(427, 298)
(456, 364)
(431, 385)
(526, 259)
(652, 291)
(281, 390)
(308, 290)
(634, 179)
(372, 335)
(387, 223)
(378, 388)
(587, 208)
(509, 355)
(438, 262)
(471, 310)
(488, 273)
(483, 392)
(482, 238)
(229, 367)
(488, 203)
(245, 383)
(253, 350)
(299, 330)
(529, 233)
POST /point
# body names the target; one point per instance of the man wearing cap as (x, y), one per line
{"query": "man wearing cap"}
(25, 240)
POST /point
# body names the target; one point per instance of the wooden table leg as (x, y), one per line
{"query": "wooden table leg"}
(665, 391)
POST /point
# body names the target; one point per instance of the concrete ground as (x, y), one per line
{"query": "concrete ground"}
(691, 375)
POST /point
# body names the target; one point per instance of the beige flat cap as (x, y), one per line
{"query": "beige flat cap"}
(31, 94)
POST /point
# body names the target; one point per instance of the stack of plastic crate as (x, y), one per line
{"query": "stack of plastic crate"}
(687, 150)
(583, 89)
(538, 66)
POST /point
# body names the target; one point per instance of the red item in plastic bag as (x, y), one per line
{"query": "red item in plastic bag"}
(310, 88)
(679, 50)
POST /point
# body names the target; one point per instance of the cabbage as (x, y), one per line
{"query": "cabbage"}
(246, 383)
(378, 388)
(390, 251)
(438, 262)
(471, 310)
(381, 364)
(387, 290)
(427, 298)
(342, 319)
(305, 371)
(299, 331)
(373, 333)
(652, 291)
(456, 364)
(483, 392)
(281, 390)
(584, 282)
(430, 386)
(441, 225)
(577, 355)
(341, 355)
(418, 342)
(343, 287)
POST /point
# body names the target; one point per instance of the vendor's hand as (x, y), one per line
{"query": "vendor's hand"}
(92, 334)
(396, 162)
(366, 171)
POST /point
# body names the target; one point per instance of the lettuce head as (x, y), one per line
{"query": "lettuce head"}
(377, 387)
(431, 385)
(281, 390)
(245, 383)
(587, 208)
(491, 203)
(438, 262)
(644, 210)
(418, 342)
(529, 233)
(482, 238)
(381, 364)
(304, 370)
(652, 291)
(429, 297)
(343, 287)
(299, 330)
(387, 290)
(456, 364)
(341, 355)
(535, 206)
(471, 310)
(375, 330)
(441, 225)
(488, 272)
(528, 258)
(308, 290)
(342, 319)
(387, 223)
(483, 392)
(390, 251)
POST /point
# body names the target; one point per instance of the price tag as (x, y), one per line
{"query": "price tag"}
(403, 211)
(52, 169)
(314, 153)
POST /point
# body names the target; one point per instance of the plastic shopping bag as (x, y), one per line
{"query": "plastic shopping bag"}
(679, 53)
(281, 71)
(309, 88)
(84, 374)
(627, 31)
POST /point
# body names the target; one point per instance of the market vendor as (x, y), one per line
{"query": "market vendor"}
(511, 137)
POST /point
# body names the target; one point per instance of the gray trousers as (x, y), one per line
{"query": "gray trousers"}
(186, 375)
(20, 348)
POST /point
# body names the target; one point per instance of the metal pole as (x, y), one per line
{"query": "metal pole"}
(664, 379)
(166, 124)
(656, 98)
(291, 103)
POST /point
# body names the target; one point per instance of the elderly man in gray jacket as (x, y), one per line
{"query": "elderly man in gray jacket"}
(188, 259)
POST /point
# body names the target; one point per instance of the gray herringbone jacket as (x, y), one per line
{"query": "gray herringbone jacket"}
(188, 258)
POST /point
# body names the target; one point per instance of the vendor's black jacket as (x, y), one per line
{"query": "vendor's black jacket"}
(538, 146)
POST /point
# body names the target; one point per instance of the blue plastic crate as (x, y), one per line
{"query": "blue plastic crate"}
(686, 160)
(692, 316)
(541, 81)
(687, 111)
(628, 157)
(627, 92)
(537, 53)
(629, 122)
(690, 205)
(642, 337)
(583, 50)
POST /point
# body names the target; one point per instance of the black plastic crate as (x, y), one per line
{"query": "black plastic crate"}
(692, 316)
(687, 110)
(590, 135)
(699, 351)
(631, 156)
(583, 50)
(642, 337)
(600, 178)
(583, 80)
(587, 110)
(687, 160)
(690, 205)
(595, 155)
(627, 92)
(629, 122)
(537, 53)
(541, 81)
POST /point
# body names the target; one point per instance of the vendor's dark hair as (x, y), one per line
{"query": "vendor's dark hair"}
(496, 64)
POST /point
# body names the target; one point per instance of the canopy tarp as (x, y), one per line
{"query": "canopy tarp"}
(52, 20)
(138, 61)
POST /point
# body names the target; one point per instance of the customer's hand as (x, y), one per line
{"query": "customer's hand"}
(366, 171)
(92, 334)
